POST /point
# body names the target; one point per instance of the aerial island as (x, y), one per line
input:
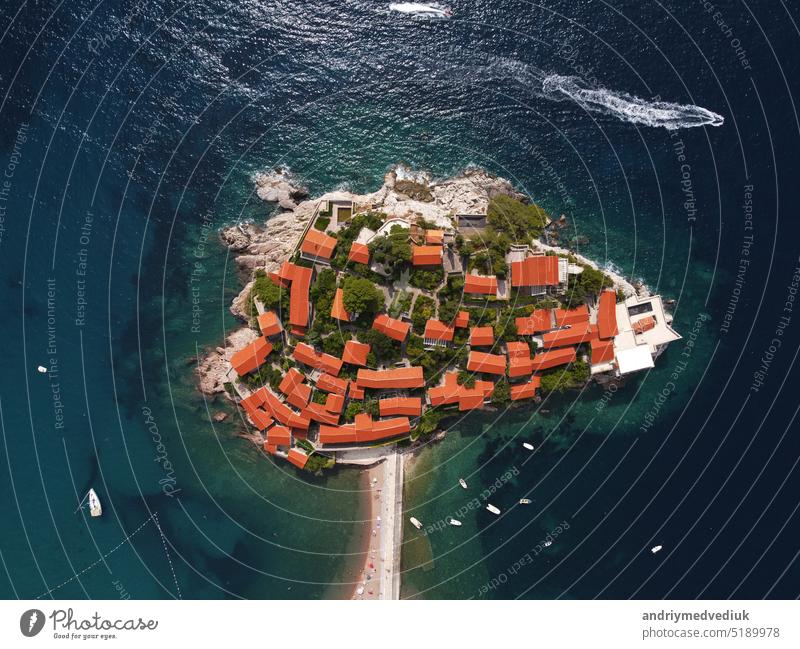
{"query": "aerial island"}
(372, 318)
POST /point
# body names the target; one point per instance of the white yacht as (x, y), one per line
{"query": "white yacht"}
(524, 501)
(656, 548)
(463, 483)
(528, 446)
(95, 508)
(415, 523)
(41, 369)
(493, 509)
(454, 522)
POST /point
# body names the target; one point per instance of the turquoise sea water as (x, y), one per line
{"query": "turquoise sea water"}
(151, 121)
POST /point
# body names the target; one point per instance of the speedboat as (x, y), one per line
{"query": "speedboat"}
(454, 522)
(420, 9)
(524, 501)
(41, 369)
(95, 508)
(415, 523)
(656, 548)
(528, 446)
(462, 482)
(547, 544)
(493, 509)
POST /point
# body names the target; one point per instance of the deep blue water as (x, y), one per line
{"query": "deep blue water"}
(150, 118)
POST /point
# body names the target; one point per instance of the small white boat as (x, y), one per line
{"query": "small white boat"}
(463, 483)
(41, 369)
(420, 9)
(415, 523)
(547, 544)
(528, 446)
(493, 509)
(524, 501)
(656, 548)
(95, 508)
(454, 522)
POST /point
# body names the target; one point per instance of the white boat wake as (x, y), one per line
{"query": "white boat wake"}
(627, 107)
(420, 9)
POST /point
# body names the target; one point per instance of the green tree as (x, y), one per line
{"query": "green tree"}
(519, 221)
(362, 297)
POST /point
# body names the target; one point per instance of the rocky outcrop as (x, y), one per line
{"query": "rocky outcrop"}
(278, 187)
(213, 369)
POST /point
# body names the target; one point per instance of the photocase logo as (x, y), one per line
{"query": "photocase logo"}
(31, 622)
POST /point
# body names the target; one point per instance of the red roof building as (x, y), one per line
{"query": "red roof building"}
(334, 403)
(564, 337)
(317, 244)
(525, 390)
(291, 380)
(356, 393)
(645, 324)
(337, 308)
(359, 253)
(602, 351)
(250, 358)
(297, 457)
(269, 323)
(489, 363)
(535, 323)
(553, 358)
(438, 331)
(426, 255)
(434, 237)
(328, 383)
(518, 349)
(520, 366)
(480, 285)
(395, 329)
(541, 270)
(279, 436)
(481, 336)
(300, 396)
(450, 392)
(299, 306)
(462, 320)
(364, 430)
(307, 355)
(260, 419)
(571, 317)
(401, 377)
(317, 412)
(607, 314)
(410, 406)
(355, 353)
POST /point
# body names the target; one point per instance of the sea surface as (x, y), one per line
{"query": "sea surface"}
(129, 135)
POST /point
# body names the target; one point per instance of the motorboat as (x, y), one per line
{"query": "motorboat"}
(454, 522)
(524, 501)
(463, 483)
(656, 548)
(527, 446)
(493, 509)
(415, 522)
(41, 369)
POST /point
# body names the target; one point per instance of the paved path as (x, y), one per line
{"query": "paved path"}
(391, 513)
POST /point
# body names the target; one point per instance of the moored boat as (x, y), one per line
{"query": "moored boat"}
(524, 501)
(41, 369)
(415, 523)
(493, 509)
(462, 482)
(528, 446)
(656, 548)
(454, 522)
(95, 508)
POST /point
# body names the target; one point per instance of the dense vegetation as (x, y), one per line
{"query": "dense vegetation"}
(273, 297)
(520, 222)
(564, 378)
(424, 310)
(392, 251)
(362, 297)
(427, 280)
(349, 233)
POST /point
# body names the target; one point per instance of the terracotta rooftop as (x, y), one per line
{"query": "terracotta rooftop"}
(535, 323)
(462, 319)
(359, 253)
(602, 351)
(478, 284)
(644, 324)
(426, 255)
(607, 314)
(318, 244)
(261, 419)
(298, 297)
(307, 355)
(576, 316)
(297, 457)
(525, 390)
(481, 336)
(250, 358)
(490, 363)
(337, 308)
(554, 358)
(355, 353)
(572, 336)
(364, 430)
(518, 349)
(317, 412)
(540, 270)
(334, 402)
(279, 435)
(434, 237)
(328, 383)
(438, 330)
(401, 377)
(355, 392)
(269, 323)
(411, 406)
(520, 366)
(396, 329)
(291, 380)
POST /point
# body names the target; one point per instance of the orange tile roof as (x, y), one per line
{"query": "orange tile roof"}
(486, 386)
(365, 430)
(554, 358)
(462, 319)
(401, 377)
(328, 383)
(359, 253)
(481, 336)
(298, 296)
(525, 390)
(518, 349)
(467, 398)
(602, 351)
(411, 406)
(470, 398)
(337, 434)
(330, 364)
(479, 284)
(279, 435)
(299, 421)
(306, 354)
(291, 380)
(297, 457)
(318, 244)
(269, 323)
(541, 270)
(355, 353)
(536, 322)
(356, 392)
(434, 237)
(300, 396)
(426, 255)
(446, 393)
(256, 399)
(250, 358)
(520, 366)
(277, 408)
(566, 317)
(481, 362)
(270, 448)
(438, 330)
(645, 324)
(261, 419)
(337, 308)
(607, 314)
(334, 402)
(317, 412)
(563, 337)
(396, 329)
